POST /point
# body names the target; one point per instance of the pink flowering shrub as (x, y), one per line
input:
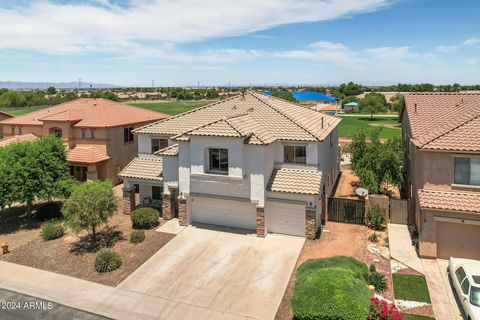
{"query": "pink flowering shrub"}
(381, 310)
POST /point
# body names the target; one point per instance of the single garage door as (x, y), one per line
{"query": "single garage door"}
(228, 213)
(458, 240)
(285, 218)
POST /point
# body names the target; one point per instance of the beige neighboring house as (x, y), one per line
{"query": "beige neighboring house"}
(3, 116)
(441, 137)
(251, 161)
(97, 132)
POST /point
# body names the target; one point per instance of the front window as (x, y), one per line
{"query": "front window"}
(13, 130)
(218, 160)
(58, 133)
(295, 154)
(20, 130)
(159, 144)
(156, 193)
(475, 296)
(92, 133)
(467, 171)
(127, 134)
(84, 133)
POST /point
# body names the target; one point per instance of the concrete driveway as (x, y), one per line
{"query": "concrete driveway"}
(452, 297)
(219, 274)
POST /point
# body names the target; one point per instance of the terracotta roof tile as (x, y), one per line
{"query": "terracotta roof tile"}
(95, 113)
(267, 118)
(17, 138)
(444, 121)
(295, 181)
(143, 168)
(443, 200)
(168, 151)
(89, 155)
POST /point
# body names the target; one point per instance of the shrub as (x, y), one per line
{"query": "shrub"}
(49, 211)
(381, 310)
(374, 237)
(377, 279)
(358, 268)
(52, 230)
(145, 218)
(330, 293)
(137, 236)
(107, 260)
(376, 218)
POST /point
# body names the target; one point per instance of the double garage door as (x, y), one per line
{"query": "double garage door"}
(458, 240)
(228, 213)
(285, 218)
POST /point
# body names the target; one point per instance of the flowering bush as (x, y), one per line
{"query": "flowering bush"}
(382, 310)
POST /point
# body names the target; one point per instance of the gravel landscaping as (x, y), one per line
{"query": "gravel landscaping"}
(56, 256)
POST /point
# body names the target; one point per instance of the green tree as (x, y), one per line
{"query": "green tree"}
(90, 205)
(397, 102)
(349, 99)
(51, 90)
(373, 103)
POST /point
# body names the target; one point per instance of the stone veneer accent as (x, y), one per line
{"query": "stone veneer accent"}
(128, 200)
(168, 211)
(310, 231)
(261, 222)
(182, 212)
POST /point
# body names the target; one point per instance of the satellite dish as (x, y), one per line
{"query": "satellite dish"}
(362, 192)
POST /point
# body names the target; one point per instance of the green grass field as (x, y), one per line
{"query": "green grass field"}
(21, 111)
(172, 108)
(413, 288)
(416, 317)
(349, 124)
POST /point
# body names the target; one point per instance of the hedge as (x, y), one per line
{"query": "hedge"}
(359, 269)
(145, 218)
(52, 230)
(330, 293)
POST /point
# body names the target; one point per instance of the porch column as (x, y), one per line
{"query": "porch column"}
(92, 172)
(128, 199)
(168, 211)
(260, 222)
(310, 229)
(182, 211)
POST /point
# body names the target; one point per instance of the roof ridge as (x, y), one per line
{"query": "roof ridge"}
(205, 125)
(450, 130)
(186, 112)
(287, 117)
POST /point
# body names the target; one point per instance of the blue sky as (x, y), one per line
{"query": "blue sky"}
(215, 42)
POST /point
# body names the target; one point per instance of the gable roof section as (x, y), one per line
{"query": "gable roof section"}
(259, 118)
(443, 200)
(4, 115)
(83, 154)
(144, 169)
(295, 181)
(168, 151)
(93, 113)
(444, 121)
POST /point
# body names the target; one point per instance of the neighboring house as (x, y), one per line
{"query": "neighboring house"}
(97, 132)
(250, 161)
(3, 116)
(441, 137)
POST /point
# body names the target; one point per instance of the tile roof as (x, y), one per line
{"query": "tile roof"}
(444, 121)
(143, 168)
(443, 200)
(168, 151)
(260, 119)
(95, 113)
(4, 115)
(295, 181)
(17, 138)
(83, 154)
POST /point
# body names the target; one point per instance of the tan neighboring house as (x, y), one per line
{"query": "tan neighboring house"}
(441, 137)
(250, 161)
(3, 116)
(97, 132)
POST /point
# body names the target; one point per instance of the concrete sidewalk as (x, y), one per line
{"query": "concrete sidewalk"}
(401, 248)
(438, 294)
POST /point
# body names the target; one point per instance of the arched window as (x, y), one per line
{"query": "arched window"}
(57, 132)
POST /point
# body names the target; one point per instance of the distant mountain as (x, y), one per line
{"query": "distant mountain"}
(57, 85)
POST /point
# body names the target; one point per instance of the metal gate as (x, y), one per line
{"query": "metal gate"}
(399, 211)
(346, 210)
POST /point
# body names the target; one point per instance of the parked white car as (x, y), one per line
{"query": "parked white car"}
(465, 275)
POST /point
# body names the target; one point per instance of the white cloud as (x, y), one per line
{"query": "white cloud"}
(472, 61)
(446, 49)
(471, 42)
(51, 27)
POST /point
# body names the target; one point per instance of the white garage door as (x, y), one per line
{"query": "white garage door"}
(229, 213)
(285, 218)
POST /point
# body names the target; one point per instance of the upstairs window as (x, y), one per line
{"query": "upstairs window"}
(92, 134)
(295, 154)
(159, 144)
(84, 133)
(467, 171)
(218, 159)
(128, 134)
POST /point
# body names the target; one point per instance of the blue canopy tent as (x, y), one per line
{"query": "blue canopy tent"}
(312, 96)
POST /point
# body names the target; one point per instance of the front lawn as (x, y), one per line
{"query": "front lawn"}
(350, 124)
(172, 108)
(412, 288)
(415, 317)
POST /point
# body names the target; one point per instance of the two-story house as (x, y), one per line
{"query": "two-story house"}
(441, 138)
(250, 161)
(97, 133)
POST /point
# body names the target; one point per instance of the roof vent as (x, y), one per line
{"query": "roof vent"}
(234, 108)
(322, 122)
(415, 105)
(250, 110)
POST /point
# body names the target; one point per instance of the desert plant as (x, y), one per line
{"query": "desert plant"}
(377, 279)
(374, 237)
(107, 260)
(145, 218)
(52, 230)
(376, 217)
(358, 268)
(137, 236)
